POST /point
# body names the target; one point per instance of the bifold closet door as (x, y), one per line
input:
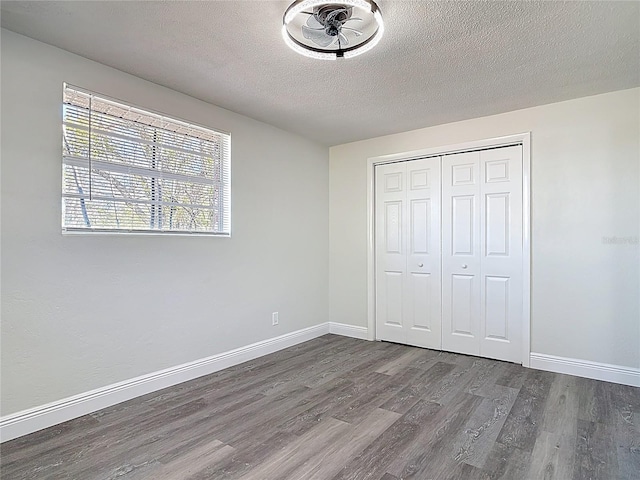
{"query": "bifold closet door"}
(408, 264)
(482, 253)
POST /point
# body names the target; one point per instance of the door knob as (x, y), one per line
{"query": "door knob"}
(420, 265)
(464, 265)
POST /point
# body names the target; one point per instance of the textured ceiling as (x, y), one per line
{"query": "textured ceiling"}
(438, 61)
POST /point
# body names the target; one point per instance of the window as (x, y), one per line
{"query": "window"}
(125, 169)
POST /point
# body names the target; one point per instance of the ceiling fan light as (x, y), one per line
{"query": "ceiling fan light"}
(303, 31)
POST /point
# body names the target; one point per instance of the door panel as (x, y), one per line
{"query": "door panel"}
(464, 173)
(462, 219)
(462, 305)
(501, 264)
(393, 226)
(497, 224)
(423, 293)
(408, 252)
(420, 228)
(482, 258)
(420, 285)
(496, 307)
(496, 170)
(393, 182)
(461, 253)
(419, 178)
(393, 299)
(390, 252)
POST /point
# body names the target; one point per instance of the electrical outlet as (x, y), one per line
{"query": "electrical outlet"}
(274, 318)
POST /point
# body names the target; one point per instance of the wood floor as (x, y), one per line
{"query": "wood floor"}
(340, 408)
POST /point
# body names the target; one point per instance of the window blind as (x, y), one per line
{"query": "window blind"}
(125, 169)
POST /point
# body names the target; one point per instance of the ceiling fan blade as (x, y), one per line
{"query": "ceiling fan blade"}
(342, 40)
(357, 33)
(312, 22)
(319, 37)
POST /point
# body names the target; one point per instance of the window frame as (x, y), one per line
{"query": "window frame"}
(225, 169)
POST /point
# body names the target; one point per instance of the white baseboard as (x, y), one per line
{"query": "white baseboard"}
(38, 418)
(587, 369)
(348, 330)
(34, 419)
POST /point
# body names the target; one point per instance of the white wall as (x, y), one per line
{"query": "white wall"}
(81, 312)
(585, 186)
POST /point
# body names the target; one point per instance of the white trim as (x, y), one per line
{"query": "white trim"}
(371, 251)
(37, 418)
(44, 416)
(587, 369)
(521, 138)
(349, 330)
(526, 249)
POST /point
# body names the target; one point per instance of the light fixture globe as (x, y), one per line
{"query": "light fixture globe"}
(329, 30)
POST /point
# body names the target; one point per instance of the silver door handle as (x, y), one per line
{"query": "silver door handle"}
(464, 266)
(420, 265)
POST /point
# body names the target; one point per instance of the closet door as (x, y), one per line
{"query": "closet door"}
(482, 253)
(408, 275)
(501, 233)
(391, 254)
(423, 279)
(461, 253)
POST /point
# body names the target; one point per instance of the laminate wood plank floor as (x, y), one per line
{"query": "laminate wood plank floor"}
(340, 408)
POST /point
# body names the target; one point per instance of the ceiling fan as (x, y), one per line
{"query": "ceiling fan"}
(328, 31)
